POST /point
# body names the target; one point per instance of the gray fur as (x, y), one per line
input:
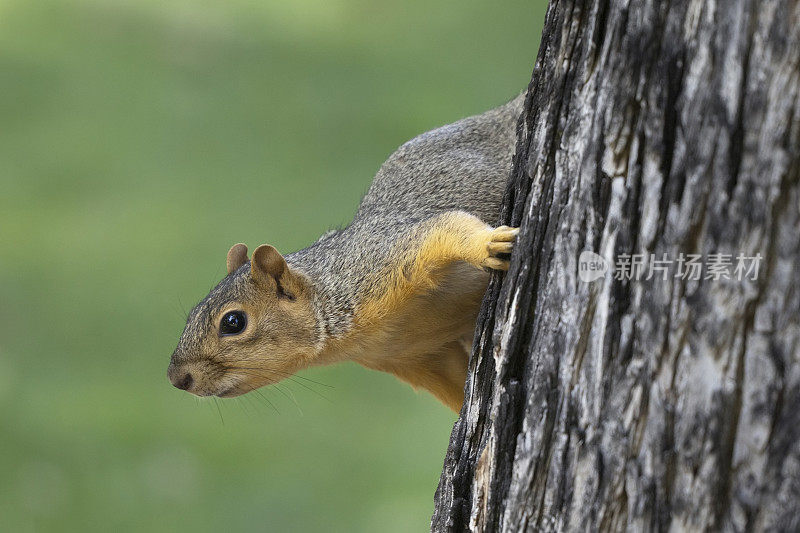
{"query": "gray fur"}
(462, 166)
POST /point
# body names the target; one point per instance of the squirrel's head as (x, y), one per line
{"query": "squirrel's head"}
(256, 327)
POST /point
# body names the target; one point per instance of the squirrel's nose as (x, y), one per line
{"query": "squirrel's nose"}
(185, 382)
(182, 380)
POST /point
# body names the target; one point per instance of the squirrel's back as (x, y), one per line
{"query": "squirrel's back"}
(461, 166)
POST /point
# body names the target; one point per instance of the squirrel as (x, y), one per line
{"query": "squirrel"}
(396, 290)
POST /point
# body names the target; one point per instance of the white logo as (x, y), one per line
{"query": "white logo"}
(591, 266)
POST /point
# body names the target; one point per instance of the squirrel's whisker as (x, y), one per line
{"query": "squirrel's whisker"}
(218, 410)
(262, 395)
(269, 374)
(287, 374)
(288, 397)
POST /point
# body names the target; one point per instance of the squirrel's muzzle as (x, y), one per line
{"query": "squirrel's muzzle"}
(180, 377)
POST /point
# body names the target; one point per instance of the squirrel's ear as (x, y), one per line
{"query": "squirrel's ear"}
(267, 263)
(237, 256)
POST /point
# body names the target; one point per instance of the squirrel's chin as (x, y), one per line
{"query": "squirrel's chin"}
(230, 392)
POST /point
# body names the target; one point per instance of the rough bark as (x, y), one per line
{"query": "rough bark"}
(652, 127)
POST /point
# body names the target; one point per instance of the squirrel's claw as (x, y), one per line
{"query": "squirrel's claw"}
(494, 263)
(501, 242)
(504, 233)
(495, 248)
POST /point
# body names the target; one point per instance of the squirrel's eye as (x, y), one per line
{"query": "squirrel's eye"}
(232, 322)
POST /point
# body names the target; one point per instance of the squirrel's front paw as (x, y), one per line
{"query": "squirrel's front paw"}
(501, 242)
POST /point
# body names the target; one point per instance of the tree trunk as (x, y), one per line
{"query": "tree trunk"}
(646, 399)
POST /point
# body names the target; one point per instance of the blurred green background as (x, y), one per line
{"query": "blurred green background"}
(139, 139)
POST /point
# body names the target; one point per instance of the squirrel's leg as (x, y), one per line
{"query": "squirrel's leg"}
(431, 249)
(442, 373)
(460, 236)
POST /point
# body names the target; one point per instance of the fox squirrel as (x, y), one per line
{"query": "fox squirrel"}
(396, 290)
